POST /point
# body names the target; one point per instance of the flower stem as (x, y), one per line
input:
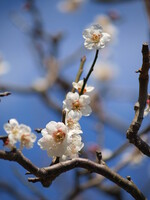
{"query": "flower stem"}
(89, 73)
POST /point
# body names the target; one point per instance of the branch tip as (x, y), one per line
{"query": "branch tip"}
(99, 156)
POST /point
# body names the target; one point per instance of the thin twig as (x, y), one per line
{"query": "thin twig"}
(89, 73)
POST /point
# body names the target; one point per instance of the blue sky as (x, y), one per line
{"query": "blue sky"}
(16, 48)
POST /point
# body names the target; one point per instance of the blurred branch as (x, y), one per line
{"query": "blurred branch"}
(31, 187)
(12, 191)
(147, 5)
(140, 105)
(80, 71)
(47, 174)
(4, 94)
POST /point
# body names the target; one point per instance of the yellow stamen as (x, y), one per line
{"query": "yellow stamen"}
(76, 105)
(59, 136)
(96, 37)
(79, 90)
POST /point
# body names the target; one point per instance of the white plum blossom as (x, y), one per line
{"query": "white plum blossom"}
(74, 146)
(18, 133)
(95, 38)
(12, 129)
(27, 138)
(72, 119)
(78, 86)
(56, 139)
(77, 103)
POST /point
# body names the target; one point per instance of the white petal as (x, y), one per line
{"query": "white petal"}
(7, 128)
(62, 126)
(89, 89)
(74, 115)
(86, 111)
(24, 128)
(44, 142)
(75, 85)
(105, 38)
(51, 127)
(13, 122)
(44, 132)
(86, 33)
(97, 27)
(89, 45)
(72, 96)
(84, 99)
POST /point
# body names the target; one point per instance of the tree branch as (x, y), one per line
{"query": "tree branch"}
(140, 105)
(47, 174)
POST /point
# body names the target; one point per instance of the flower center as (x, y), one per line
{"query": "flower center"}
(70, 123)
(79, 90)
(15, 131)
(59, 136)
(25, 138)
(76, 105)
(96, 37)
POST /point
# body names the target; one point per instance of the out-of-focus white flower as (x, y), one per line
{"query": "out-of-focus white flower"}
(18, 132)
(79, 104)
(12, 129)
(40, 84)
(74, 145)
(78, 86)
(43, 83)
(105, 71)
(135, 158)
(72, 119)
(4, 66)
(106, 153)
(107, 25)
(147, 109)
(54, 139)
(95, 38)
(69, 5)
(27, 138)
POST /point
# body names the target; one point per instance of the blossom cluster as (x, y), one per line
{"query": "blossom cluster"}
(64, 140)
(18, 133)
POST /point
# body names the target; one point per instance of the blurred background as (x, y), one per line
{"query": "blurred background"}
(41, 46)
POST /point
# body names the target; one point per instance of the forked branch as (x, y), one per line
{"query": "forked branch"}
(47, 174)
(132, 132)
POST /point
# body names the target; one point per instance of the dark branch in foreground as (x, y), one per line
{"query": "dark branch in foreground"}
(140, 105)
(46, 175)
